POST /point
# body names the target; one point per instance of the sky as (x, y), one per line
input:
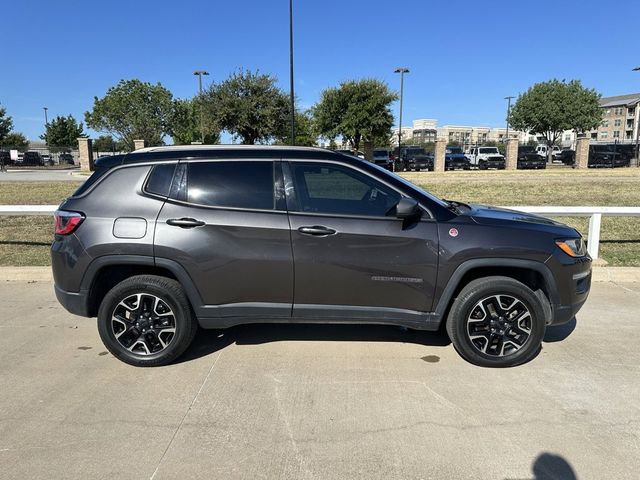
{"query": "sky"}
(464, 56)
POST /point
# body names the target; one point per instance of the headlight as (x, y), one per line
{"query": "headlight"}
(574, 247)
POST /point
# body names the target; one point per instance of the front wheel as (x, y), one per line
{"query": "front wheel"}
(496, 322)
(146, 320)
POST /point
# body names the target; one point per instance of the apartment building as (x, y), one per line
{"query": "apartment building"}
(621, 115)
(427, 130)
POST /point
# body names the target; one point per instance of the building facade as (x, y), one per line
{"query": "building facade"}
(621, 115)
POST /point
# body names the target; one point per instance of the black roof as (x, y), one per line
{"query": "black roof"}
(159, 154)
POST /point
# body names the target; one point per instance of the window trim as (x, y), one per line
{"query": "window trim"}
(148, 177)
(291, 193)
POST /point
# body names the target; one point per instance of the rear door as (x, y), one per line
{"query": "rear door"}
(353, 258)
(227, 226)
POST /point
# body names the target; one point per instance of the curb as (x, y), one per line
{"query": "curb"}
(43, 274)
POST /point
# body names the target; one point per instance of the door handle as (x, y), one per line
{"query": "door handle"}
(317, 231)
(185, 222)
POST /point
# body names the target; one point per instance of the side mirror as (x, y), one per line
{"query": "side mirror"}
(407, 208)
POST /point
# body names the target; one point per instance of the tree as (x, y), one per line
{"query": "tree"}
(133, 110)
(357, 110)
(106, 143)
(6, 124)
(305, 131)
(549, 108)
(249, 105)
(185, 124)
(62, 132)
(16, 140)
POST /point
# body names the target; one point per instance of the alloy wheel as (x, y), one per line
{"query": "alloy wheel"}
(143, 324)
(499, 325)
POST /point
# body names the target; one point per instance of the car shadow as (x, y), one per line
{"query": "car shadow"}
(211, 341)
(557, 333)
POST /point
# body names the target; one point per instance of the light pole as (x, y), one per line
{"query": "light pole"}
(508, 99)
(46, 120)
(635, 124)
(200, 73)
(401, 71)
(291, 94)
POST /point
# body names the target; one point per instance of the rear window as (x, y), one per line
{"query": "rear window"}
(235, 184)
(159, 180)
(95, 176)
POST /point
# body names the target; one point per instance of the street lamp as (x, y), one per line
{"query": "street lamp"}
(636, 121)
(46, 120)
(292, 97)
(401, 71)
(508, 111)
(200, 73)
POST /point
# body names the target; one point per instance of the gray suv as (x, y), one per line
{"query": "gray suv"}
(161, 240)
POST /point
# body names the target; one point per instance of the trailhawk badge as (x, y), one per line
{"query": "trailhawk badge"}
(453, 232)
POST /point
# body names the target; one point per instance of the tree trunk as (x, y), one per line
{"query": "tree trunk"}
(368, 150)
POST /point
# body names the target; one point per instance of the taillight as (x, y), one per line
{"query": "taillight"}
(67, 222)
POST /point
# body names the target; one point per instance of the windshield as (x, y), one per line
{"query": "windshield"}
(380, 153)
(488, 150)
(455, 150)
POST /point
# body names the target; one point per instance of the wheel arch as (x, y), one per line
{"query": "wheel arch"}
(107, 271)
(534, 274)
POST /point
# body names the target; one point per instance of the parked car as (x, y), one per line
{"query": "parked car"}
(529, 159)
(604, 156)
(568, 156)
(5, 158)
(455, 159)
(65, 159)
(542, 150)
(414, 158)
(486, 157)
(163, 239)
(32, 158)
(381, 157)
(626, 151)
(46, 159)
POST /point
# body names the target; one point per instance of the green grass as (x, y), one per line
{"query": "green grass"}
(25, 240)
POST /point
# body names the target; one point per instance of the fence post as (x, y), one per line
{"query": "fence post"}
(593, 242)
(512, 154)
(582, 152)
(85, 151)
(439, 154)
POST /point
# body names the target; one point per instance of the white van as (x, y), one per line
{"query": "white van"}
(543, 149)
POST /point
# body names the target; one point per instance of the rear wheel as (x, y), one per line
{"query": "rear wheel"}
(146, 320)
(496, 322)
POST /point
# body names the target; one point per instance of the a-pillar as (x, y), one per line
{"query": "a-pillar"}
(582, 152)
(438, 160)
(512, 154)
(85, 150)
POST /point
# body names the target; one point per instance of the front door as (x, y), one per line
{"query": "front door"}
(354, 260)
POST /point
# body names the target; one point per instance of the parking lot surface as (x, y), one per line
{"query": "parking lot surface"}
(316, 401)
(40, 176)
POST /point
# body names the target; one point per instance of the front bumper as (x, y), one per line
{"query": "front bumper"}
(573, 277)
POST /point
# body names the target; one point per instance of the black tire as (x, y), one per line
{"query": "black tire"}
(181, 316)
(465, 305)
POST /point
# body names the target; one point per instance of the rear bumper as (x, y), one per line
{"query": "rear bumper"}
(73, 302)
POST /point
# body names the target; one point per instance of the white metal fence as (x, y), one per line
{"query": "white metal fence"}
(594, 213)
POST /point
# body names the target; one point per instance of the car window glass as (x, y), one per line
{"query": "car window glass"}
(160, 179)
(237, 184)
(334, 189)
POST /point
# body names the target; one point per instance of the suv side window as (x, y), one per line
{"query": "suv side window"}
(159, 180)
(235, 184)
(336, 189)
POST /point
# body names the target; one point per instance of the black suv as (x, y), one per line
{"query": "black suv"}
(414, 158)
(529, 159)
(161, 240)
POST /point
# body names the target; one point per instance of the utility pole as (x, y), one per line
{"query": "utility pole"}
(508, 99)
(200, 73)
(401, 71)
(291, 93)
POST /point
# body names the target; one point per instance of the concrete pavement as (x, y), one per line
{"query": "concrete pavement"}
(41, 176)
(313, 401)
